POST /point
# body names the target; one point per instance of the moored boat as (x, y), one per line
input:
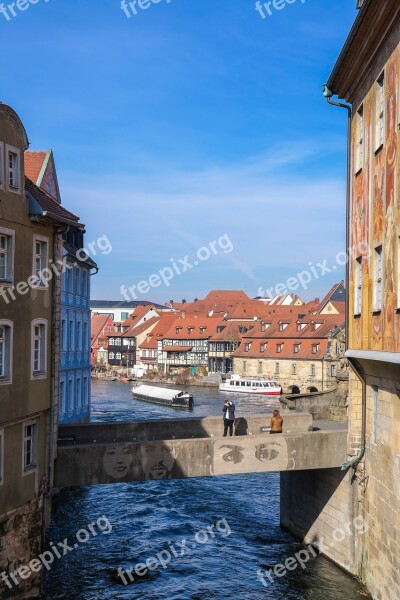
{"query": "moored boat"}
(239, 385)
(165, 396)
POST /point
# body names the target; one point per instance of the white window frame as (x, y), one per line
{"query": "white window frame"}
(40, 239)
(313, 370)
(294, 369)
(380, 112)
(333, 371)
(8, 377)
(277, 368)
(42, 374)
(358, 286)
(359, 158)
(10, 234)
(12, 150)
(1, 457)
(32, 467)
(378, 279)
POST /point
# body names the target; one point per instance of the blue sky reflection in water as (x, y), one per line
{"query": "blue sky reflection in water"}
(148, 516)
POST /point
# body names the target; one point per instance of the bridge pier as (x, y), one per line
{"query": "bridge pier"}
(320, 507)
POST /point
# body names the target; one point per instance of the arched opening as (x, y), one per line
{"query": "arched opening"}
(294, 389)
(312, 389)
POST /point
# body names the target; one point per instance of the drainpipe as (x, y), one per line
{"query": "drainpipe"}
(357, 369)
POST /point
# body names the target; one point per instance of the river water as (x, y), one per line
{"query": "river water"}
(170, 518)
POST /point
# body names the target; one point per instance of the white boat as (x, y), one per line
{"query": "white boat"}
(251, 386)
(165, 396)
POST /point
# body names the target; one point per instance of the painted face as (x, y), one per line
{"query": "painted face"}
(157, 460)
(270, 455)
(116, 461)
(268, 451)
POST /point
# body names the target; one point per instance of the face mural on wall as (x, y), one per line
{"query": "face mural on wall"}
(157, 460)
(271, 455)
(117, 461)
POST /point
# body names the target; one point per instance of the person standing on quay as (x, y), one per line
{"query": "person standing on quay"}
(229, 417)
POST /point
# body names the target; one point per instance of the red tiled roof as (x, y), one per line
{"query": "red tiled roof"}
(327, 323)
(97, 324)
(195, 324)
(231, 330)
(134, 331)
(33, 164)
(47, 203)
(164, 323)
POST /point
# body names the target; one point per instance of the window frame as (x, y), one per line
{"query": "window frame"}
(41, 374)
(14, 189)
(313, 370)
(358, 286)
(380, 112)
(360, 129)
(9, 233)
(378, 280)
(33, 466)
(41, 239)
(8, 378)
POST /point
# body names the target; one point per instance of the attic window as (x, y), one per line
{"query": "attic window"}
(296, 348)
(190, 329)
(315, 348)
(202, 329)
(178, 329)
(264, 326)
(247, 347)
(300, 326)
(220, 329)
(282, 326)
(263, 347)
(279, 348)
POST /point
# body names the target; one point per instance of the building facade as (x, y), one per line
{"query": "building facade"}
(367, 77)
(31, 225)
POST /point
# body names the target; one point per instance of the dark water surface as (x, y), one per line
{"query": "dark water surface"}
(155, 517)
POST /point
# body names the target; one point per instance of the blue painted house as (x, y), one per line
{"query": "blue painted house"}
(74, 363)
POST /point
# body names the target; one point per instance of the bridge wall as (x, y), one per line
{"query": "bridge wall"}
(89, 464)
(167, 429)
(318, 507)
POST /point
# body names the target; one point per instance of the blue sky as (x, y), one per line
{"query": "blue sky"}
(185, 122)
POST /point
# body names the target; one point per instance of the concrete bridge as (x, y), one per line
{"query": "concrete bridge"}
(116, 452)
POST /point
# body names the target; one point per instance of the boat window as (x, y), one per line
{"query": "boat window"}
(243, 383)
(248, 383)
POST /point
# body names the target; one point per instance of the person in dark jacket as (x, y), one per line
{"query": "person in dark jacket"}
(229, 417)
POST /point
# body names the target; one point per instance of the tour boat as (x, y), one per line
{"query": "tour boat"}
(251, 386)
(165, 396)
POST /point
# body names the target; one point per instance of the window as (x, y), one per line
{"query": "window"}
(263, 347)
(78, 390)
(315, 348)
(62, 397)
(13, 168)
(264, 326)
(85, 391)
(1, 456)
(359, 158)
(375, 390)
(111, 356)
(277, 368)
(77, 281)
(333, 370)
(358, 284)
(312, 370)
(283, 326)
(78, 335)
(40, 258)
(296, 348)
(71, 335)
(260, 367)
(85, 284)
(294, 369)
(39, 350)
(279, 348)
(247, 347)
(6, 255)
(124, 316)
(30, 446)
(244, 368)
(85, 336)
(380, 113)
(6, 341)
(63, 329)
(378, 279)
(111, 341)
(118, 356)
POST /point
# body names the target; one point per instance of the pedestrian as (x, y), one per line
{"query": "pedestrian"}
(229, 417)
(276, 422)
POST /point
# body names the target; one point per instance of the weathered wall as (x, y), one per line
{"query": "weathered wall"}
(317, 508)
(20, 542)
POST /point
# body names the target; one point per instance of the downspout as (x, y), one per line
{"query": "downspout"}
(357, 369)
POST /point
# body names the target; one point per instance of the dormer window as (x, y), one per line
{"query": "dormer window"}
(190, 329)
(315, 348)
(282, 326)
(202, 329)
(13, 168)
(220, 329)
(178, 329)
(247, 347)
(300, 326)
(263, 347)
(264, 326)
(296, 348)
(279, 348)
